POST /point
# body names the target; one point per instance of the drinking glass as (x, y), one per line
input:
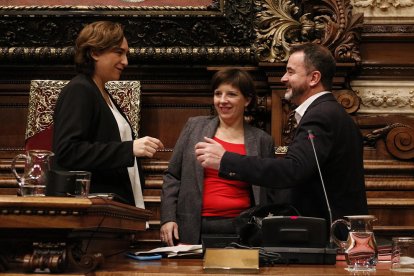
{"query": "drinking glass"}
(402, 256)
(82, 183)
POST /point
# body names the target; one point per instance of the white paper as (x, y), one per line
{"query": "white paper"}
(405, 260)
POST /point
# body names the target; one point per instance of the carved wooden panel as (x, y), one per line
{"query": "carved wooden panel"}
(219, 32)
(283, 23)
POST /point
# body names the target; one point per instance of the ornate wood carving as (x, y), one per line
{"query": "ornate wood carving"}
(399, 140)
(384, 30)
(397, 13)
(83, 261)
(384, 4)
(387, 96)
(393, 134)
(48, 257)
(218, 33)
(348, 99)
(283, 23)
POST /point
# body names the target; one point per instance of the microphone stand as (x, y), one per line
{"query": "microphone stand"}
(311, 136)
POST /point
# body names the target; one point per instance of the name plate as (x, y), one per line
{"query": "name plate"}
(229, 260)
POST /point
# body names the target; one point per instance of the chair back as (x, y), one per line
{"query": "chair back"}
(42, 100)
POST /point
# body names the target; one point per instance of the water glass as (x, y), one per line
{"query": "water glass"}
(82, 183)
(402, 255)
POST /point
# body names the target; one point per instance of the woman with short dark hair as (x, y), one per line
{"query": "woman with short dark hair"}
(90, 131)
(195, 201)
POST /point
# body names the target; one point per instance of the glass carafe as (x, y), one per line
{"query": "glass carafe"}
(360, 248)
(33, 181)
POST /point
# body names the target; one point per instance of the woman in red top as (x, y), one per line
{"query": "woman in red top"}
(195, 201)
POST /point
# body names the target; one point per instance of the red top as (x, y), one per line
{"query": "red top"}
(223, 197)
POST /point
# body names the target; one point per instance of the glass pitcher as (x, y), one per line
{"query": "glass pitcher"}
(33, 181)
(360, 248)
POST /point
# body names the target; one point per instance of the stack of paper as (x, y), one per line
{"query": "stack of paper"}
(175, 251)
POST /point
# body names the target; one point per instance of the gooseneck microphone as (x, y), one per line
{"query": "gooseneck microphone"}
(311, 136)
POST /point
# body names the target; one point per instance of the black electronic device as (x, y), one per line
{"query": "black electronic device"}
(292, 239)
(60, 183)
(293, 231)
(299, 240)
(303, 255)
(218, 240)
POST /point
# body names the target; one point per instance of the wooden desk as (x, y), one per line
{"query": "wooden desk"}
(53, 228)
(122, 266)
(53, 233)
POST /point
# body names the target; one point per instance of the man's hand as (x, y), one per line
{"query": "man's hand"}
(146, 146)
(167, 231)
(209, 153)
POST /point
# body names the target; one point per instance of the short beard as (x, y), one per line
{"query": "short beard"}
(289, 95)
(294, 94)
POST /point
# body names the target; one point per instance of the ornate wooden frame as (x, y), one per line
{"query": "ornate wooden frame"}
(235, 31)
(218, 32)
(110, 10)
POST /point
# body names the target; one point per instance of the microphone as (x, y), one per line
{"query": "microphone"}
(311, 136)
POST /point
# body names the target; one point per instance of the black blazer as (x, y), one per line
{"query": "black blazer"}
(86, 137)
(339, 148)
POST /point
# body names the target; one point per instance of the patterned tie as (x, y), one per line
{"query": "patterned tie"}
(290, 128)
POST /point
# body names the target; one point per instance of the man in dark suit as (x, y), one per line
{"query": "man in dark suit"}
(337, 140)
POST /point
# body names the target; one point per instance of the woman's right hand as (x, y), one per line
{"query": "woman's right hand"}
(146, 146)
(169, 233)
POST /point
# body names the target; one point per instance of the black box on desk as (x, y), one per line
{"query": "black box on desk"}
(300, 240)
(218, 240)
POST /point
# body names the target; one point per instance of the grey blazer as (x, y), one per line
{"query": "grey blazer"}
(182, 189)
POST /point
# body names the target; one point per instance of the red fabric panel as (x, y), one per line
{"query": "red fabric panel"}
(41, 140)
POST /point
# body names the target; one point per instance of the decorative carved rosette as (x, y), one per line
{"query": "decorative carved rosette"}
(348, 99)
(86, 262)
(280, 24)
(400, 142)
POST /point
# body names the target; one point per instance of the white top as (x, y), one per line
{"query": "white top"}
(126, 135)
(301, 109)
